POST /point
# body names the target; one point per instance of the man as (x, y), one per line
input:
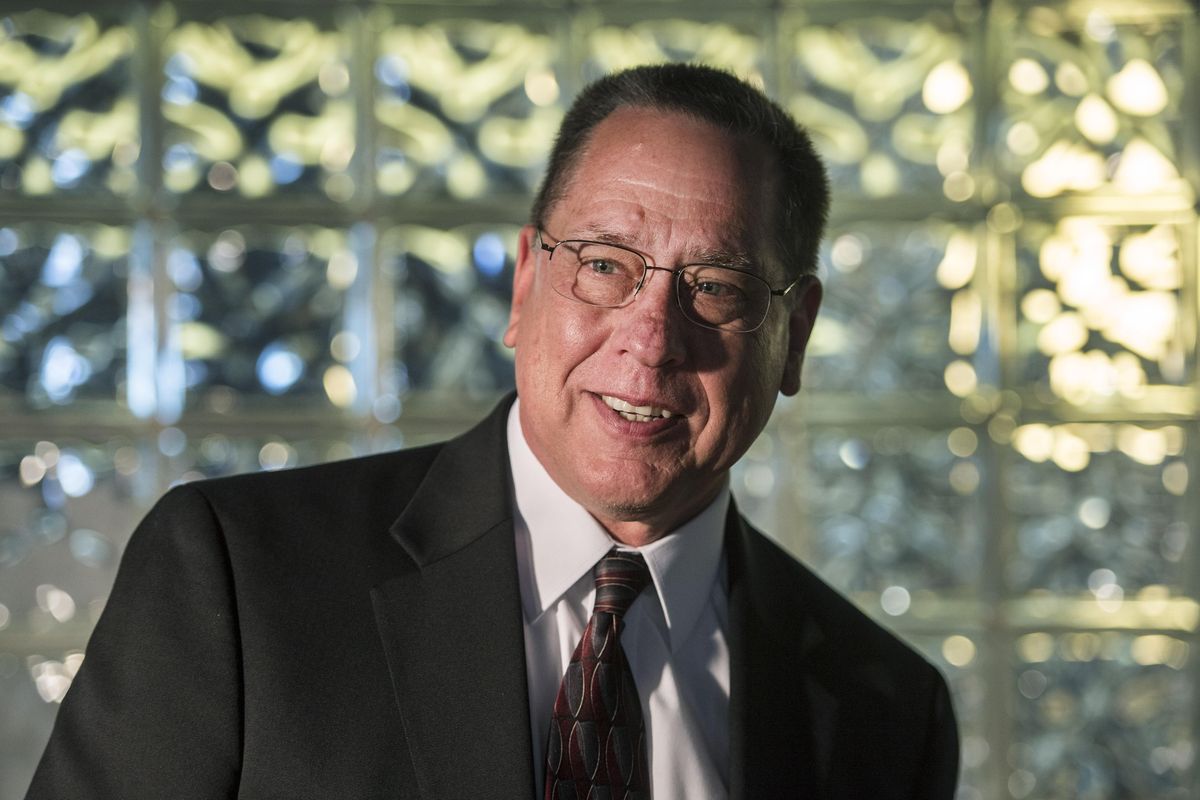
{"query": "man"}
(421, 624)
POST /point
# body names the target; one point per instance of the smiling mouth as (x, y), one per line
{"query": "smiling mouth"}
(635, 413)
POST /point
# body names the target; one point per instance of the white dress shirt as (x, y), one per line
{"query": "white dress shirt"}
(674, 635)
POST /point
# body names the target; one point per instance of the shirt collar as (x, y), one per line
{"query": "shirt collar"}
(565, 542)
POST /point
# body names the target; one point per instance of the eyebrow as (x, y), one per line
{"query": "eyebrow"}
(725, 257)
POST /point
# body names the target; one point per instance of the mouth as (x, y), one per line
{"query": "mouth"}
(632, 413)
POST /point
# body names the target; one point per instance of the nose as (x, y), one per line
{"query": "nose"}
(652, 328)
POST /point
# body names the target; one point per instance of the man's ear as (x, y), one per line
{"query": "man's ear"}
(800, 325)
(523, 274)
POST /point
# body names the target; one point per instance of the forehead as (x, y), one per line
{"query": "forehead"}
(652, 172)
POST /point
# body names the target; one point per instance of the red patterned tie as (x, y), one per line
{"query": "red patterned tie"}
(597, 745)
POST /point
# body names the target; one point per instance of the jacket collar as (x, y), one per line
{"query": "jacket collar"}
(455, 654)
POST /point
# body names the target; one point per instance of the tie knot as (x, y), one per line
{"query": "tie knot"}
(620, 578)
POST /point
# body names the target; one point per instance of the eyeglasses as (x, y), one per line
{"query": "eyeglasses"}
(610, 276)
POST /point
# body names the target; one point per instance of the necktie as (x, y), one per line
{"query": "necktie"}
(597, 745)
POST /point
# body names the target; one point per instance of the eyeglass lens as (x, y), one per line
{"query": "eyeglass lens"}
(608, 276)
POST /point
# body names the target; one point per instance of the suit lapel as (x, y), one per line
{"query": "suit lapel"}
(452, 626)
(782, 718)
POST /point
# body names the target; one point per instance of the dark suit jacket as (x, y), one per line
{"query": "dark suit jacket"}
(353, 630)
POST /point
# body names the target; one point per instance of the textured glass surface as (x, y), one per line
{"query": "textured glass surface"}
(901, 310)
(25, 716)
(68, 507)
(1102, 715)
(895, 509)
(213, 455)
(466, 107)
(68, 106)
(888, 100)
(733, 43)
(453, 289)
(1091, 98)
(1099, 510)
(961, 656)
(256, 105)
(265, 312)
(62, 312)
(1103, 308)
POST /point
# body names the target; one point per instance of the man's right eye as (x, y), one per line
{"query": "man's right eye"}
(601, 266)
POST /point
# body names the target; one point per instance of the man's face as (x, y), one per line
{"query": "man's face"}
(679, 191)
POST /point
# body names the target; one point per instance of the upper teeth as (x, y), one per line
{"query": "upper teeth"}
(635, 413)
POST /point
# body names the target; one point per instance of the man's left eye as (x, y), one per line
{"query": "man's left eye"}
(713, 288)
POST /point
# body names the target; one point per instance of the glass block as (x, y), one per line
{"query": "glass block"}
(621, 39)
(453, 291)
(1103, 308)
(466, 107)
(257, 105)
(902, 311)
(198, 455)
(894, 511)
(1090, 97)
(961, 656)
(265, 312)
(69, 506)
(27, 714)
(888, 99)
(68, 108)
(1100, 511)
(62, 312)
(1101, 715)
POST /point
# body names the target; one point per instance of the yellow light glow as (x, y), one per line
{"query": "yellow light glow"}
(957, 266)
(962, 442)
(958, 186)
(37, 177)
(32, 470)
(1071, 453)
(1069, 79)
(333, 78)
(960, 378)
(1152, 258)
(12, 141)
(255, 178)
(947, 87)
(1138, 89)
(1143, 169)
(1144, 445)
(966, 321)
(1153, 649)
(200, 341)
(1040, 306)
(1064, 166)
(847, 252)
(342, 269)
(1146, 323)
(1035, 648)
(1028, 77)
(396, 177)
(465, 177)
(541, 87)
(339, 386)
(879, 175)
(953, 155)
(1022, 138)
(964, 477)
(519, 142)
(958, 650)
(1063, 334)
(1096, 120)
(1175, 478)
(339, 187)
(1034, 441)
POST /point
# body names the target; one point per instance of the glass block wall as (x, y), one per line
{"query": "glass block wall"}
(241, 236)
